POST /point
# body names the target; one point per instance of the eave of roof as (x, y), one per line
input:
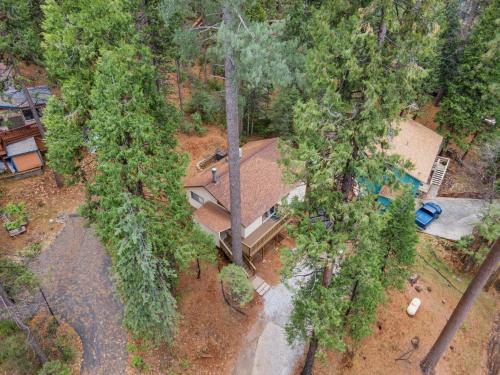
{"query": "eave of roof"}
(213, 217)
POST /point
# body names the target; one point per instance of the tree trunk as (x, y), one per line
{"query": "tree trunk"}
(382, 31)
(492, 280)
(6, 303)
(311, 354)
(39, 125)
(313, 343)
(438, 97)
(489, 265)
(233, 140)
(179, 86)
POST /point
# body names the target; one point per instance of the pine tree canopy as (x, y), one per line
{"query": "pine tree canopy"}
(365, 67)
(473, 92)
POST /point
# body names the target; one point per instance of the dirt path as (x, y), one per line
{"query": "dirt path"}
(74, 272)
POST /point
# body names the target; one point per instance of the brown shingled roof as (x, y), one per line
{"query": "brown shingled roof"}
(213, 217)
(262, 184)
(418, 144)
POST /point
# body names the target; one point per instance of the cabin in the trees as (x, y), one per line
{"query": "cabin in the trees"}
(262, 192)
(21, 151)
(14, 108)
(421, 146)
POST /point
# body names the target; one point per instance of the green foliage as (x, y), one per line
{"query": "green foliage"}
(471, 94)
(138, 363)
(16, 278)
(400, 239)
(281, 113)
(19, 30)
(64, 347)
(54, 368)
(15, 215)
(207, 104)
(30, 251)
(237, 283)
(15, 356)
(358, 83)
(149, 239)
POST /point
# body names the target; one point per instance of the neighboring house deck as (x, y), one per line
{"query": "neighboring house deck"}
(262, 192)
(21, 150)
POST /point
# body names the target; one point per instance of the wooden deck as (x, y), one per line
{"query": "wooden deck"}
(256, 241)
(263, 235)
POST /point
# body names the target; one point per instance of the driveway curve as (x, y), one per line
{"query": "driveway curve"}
(75, 274)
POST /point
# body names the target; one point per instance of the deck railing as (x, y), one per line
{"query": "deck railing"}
(268, 235)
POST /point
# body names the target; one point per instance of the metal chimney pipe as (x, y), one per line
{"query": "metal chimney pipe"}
(214, 175)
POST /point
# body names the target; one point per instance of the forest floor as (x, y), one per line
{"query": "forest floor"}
(382, 352)
(461, 180)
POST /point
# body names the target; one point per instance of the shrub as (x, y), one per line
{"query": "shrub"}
(138, 363)
(16, 277)
(30, 251)
(14, 354)
(65, 348)
(236, 282)
(198, 124)
(15, 215)
(208, 104)
(54, 368)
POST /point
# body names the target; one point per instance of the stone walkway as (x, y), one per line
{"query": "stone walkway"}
(74, 272)
(266, 350)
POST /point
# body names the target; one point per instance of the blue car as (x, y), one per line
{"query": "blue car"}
(427, 214)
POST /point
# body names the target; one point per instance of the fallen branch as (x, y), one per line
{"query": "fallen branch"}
(441, 274)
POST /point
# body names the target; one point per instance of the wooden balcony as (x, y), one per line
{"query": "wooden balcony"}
(256, 241)
(263, 235)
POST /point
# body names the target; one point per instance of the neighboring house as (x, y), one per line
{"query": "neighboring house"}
(14, 108)
(262, 192)
(421, 146)
(21, 150)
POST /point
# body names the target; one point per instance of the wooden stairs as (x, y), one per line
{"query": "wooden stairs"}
(248, 265)
(260, 286)
(439, 170)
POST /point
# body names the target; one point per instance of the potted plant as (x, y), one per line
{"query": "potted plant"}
(15, 218)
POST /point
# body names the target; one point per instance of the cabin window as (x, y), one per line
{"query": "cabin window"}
(269, 213)
(197, 198)
(28, 115)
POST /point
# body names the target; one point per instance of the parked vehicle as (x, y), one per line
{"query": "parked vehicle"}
(427, 214)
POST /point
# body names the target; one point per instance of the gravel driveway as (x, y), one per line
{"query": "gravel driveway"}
(74, 272)
(458, 218)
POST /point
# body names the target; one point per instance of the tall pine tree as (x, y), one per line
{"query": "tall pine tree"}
(363, 70)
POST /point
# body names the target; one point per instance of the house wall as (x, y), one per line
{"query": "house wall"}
(202, 192)
(245, 232)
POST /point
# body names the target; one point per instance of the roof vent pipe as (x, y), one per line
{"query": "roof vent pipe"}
(214, 175)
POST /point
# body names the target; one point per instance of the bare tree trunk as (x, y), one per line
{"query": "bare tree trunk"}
(382, 32)
(311, 354)
(492, 280)
(178, 80)
(313, 343)
(438, 97)
(460, 313)
(233, 139)
(6, 303)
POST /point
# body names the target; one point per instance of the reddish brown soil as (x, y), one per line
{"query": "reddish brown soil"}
(394, 329)
(210, 331)
(44, 202)
(40, 325)
(198, 148)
